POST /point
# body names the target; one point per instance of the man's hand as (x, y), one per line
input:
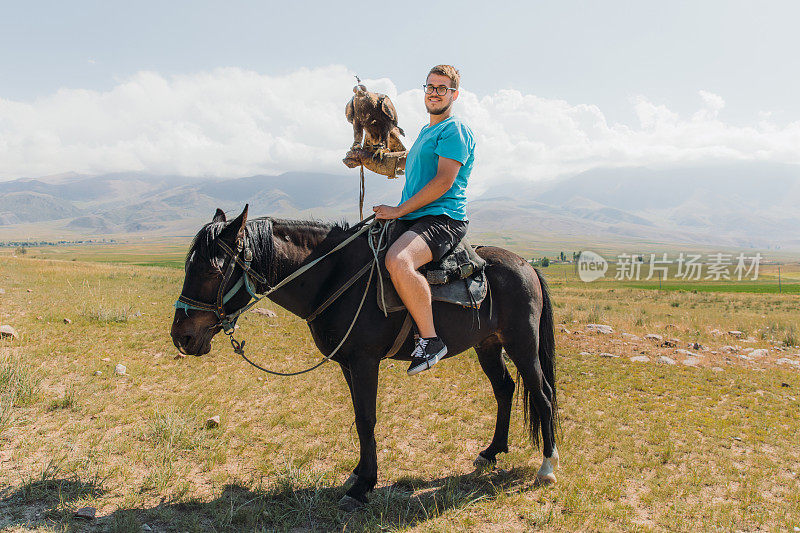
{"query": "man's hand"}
(387, 212)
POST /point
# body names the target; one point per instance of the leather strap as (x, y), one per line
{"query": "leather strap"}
(332, 298)
(405, 329)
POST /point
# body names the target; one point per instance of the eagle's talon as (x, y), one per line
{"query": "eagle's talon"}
(378, 153)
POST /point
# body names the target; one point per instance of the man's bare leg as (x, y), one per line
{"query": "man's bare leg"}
(405, 256)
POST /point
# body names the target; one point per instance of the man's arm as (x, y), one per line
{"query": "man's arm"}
(445, 176)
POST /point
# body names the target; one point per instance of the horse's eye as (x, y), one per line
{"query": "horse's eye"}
(217, 263)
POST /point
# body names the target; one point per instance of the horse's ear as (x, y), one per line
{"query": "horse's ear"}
(236, 228)
(219, 216)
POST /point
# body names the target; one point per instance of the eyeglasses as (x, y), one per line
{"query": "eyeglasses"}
(441, 90)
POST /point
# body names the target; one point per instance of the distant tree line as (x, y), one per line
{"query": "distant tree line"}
(561, 258)
(31, 244)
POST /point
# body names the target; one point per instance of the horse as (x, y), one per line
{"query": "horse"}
(517, 316)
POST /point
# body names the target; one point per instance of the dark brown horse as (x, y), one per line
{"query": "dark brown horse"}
(519, 318)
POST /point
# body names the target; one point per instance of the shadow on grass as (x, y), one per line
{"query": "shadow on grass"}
(284, 505)
(45, 501)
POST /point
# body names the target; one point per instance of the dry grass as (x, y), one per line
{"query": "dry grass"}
(644, 446)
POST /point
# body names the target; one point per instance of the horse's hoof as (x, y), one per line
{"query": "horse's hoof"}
(544, 480)
(352, 479)
(348, 504)
(482, 463)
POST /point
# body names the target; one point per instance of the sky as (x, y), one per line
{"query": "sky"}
(241, 88)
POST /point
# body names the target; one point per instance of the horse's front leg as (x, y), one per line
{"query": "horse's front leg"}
(364, 392)
(346, 373)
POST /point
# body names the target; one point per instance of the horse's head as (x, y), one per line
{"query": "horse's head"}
(197, 317)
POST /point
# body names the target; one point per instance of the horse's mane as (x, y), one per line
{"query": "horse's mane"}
(201, 244)
(342, 225)
(259, 232)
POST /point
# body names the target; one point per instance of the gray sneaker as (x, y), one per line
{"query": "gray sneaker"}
(426, 354)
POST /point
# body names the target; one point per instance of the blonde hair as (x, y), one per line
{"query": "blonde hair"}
(447, 70)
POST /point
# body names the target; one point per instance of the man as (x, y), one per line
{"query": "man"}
(432, 208)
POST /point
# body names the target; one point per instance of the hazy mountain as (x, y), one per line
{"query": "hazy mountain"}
(105, 189)
(91, 224)
(31, 206)
(747, 204)
(743, 185)
(742, 205)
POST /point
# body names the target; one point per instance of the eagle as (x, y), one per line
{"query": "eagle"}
(375, 114)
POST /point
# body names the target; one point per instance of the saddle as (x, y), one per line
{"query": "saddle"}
(458, 278)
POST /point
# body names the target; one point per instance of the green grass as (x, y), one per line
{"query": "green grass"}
(105, 314)
(68, 401)
(19, 385)
(767, 282)
(765, 287)
(643, 446)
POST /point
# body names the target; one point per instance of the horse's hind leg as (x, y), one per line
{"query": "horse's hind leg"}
(537, 393)
(491, 360)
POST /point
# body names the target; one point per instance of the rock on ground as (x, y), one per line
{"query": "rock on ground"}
(761, 352)
(599, 328)
(86, 513)
(8, 331)
(664, 360)
(264, 311)
(120, 369)
(691, 361)
(653, 337)
(631, 337)
(606, 354)
(212, 422)
(640, 359)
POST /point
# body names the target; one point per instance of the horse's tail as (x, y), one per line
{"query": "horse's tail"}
(547, 361)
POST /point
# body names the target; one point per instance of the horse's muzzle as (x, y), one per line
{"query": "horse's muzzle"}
(191, 338)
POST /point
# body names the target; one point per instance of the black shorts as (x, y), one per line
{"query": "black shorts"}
(440, 232)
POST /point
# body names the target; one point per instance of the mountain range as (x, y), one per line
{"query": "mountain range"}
(744, 205)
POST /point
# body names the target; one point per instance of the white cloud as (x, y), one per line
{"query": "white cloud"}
(714, 102)
(233, 122)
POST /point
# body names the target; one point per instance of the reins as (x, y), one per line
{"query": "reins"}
(243, 257)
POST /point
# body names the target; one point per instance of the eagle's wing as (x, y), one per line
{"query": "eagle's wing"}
(387, 107)
(350, 111)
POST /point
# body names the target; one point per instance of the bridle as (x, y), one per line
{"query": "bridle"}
(243, 256)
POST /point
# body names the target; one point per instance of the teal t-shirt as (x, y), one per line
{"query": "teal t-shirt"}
(450, 138)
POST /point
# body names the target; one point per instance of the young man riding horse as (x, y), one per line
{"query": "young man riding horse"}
(433, 208)
(296, 265)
